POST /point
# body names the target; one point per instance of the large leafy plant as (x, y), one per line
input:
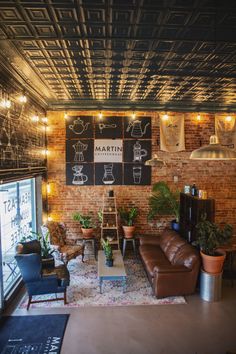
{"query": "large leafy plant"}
(163, 201)
(46, 249)
(209, 236)
(128, 216)
(84, 220)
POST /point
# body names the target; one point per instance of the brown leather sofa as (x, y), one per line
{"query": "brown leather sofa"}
(172, 264)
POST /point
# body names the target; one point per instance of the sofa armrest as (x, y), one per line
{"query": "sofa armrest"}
(171, 269)
(149, 240)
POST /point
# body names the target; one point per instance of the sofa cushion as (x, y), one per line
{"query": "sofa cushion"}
(187, 255)
(173, 247)
(152, 257)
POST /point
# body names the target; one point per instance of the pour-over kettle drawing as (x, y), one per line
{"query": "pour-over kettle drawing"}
(78, 126)
(136, 128)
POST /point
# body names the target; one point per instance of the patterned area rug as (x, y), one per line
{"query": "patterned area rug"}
(84, 288)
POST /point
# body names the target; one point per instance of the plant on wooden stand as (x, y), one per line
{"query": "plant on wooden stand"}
(209, 237)
(127, 217)
(108, 252)
(87, 225)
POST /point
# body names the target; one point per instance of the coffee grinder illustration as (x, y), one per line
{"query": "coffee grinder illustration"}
(79, 177)
(139, 153)
(108, 177)
(136, 128)
(79, 148)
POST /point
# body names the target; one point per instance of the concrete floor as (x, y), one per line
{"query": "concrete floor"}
(198, 327)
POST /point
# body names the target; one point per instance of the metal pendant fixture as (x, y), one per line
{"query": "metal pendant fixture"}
(155, 162)
(213, 151)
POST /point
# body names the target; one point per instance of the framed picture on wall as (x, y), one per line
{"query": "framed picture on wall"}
(80, 174)
(79, 127)
(79, 150)
(108, 128)
(138, 128)
(108, 174)
(137, 150)
(137, 174)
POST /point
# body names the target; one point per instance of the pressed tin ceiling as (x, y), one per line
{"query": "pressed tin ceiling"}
(163, 54)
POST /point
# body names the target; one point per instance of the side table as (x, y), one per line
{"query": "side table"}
(125, 240)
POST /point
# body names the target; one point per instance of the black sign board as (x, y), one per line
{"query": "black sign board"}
(137, 151)
(109, 128)
(137, 174)
(137, 128)
(79, 127)
(80, 174)
(108, 174)
(78, 151)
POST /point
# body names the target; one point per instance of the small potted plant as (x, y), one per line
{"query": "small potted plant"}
(164, 201)
(87, 226)
(209, 237)
(108, 252)
(128, 217)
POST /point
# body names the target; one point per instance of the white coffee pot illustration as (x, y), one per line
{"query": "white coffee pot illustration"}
(139, 153)
(79, 178)
(136, 128)
(78, 126)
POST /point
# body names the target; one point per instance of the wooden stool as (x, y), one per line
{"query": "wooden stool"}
(125, 240)
(94, 244)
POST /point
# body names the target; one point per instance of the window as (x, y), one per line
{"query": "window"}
(17, 212)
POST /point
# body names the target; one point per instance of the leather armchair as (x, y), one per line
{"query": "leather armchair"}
(57, 237)
(39, 280)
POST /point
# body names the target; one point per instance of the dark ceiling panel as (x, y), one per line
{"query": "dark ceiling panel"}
(162, 52)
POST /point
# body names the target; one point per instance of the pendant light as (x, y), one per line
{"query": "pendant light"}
(155, 162)
(213, 151)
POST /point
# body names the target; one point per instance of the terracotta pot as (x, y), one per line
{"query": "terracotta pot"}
(87, 233)
(213, 264)
(129, 231)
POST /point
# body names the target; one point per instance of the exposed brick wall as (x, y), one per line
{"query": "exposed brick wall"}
(217, 177)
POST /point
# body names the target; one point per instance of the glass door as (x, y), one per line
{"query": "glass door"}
(17, 212)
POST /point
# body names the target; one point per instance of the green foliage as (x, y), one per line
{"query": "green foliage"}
(163, 201)
(84, 220)
(107, 249)
(46, 249)
(128, 215)
(100, 216)
(210, 236)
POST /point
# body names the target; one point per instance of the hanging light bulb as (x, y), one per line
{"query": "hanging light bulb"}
(100, 115)
(48, 188)
(23, 98)
(228, 119)
(44, 119)
(6, 103)
(133, 116)
(213, 151)
(165, 117)
(199, 118)
(35, 118)
(155, 162)
(65, 115)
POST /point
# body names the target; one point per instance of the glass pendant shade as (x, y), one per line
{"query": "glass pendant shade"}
(155, 162)
(213, 151)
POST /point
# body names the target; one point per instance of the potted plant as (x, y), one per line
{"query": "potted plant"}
(163, 201)
(209, 237)
(127, 217)
(87, 226)
(108, 252)
(46, 248)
